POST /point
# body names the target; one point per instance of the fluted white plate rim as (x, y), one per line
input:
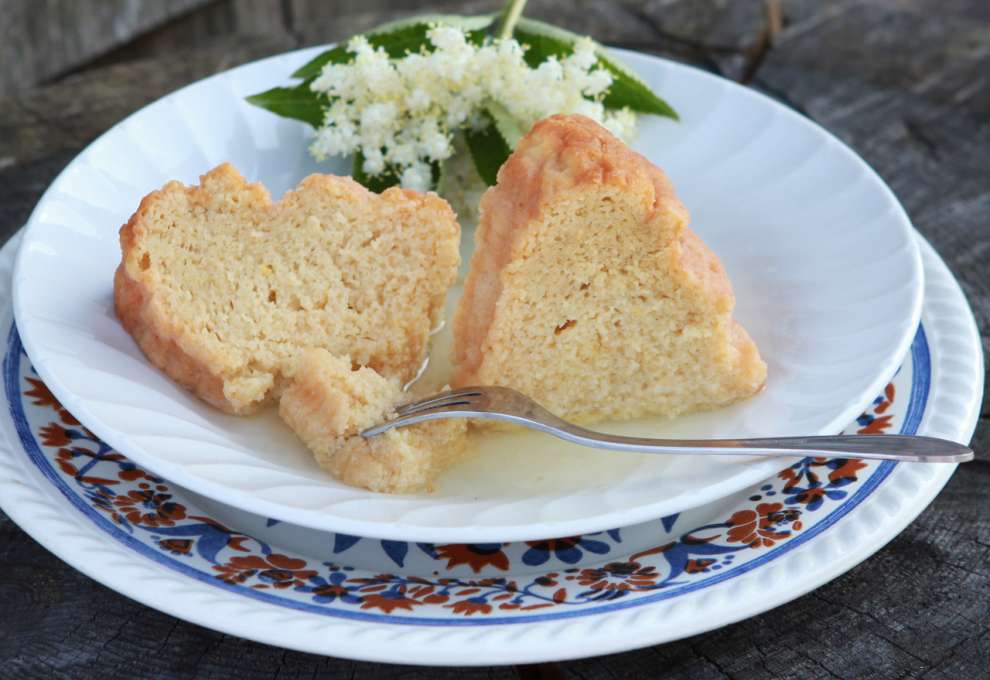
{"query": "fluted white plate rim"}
(954, 399)
(886, 328)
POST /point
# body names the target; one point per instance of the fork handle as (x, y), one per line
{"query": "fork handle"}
(909, 448)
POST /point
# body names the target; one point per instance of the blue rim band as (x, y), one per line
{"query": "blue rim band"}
(920, 386)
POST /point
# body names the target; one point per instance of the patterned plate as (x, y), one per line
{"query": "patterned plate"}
(785, 204)
(487, 603)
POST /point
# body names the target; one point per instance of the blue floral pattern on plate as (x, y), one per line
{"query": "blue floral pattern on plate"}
(573, 575)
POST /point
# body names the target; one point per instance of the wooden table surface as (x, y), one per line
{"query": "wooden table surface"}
(906, 83)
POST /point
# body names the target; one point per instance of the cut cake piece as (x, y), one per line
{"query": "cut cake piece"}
(328, 404)
(222, 289)
(588, 292)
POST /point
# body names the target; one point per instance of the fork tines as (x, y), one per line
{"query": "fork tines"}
(460, 397)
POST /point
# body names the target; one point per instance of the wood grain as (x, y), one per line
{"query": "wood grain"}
(40, 39)
(905, 82)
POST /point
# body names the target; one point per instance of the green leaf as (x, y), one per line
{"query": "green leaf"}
(507, 126)
(313, 67)
(298, 102)
(472, 25)
(627, 89)
(377, 183)
(439, 171)
(436, 175)
(399, 37)
(543, 40)
(389, 178)
(488, 148)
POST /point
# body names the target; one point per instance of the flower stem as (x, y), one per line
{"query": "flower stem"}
(510, 15)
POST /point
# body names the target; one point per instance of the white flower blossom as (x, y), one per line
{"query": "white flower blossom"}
(417, 176)
(374, 162)
(401, 114)
(418, 100)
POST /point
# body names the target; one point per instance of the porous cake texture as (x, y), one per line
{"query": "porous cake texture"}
(328, 404)
(588, 292)
(223, 289)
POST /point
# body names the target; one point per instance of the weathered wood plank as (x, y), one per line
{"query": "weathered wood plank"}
(218, 21)
(40, 39)
(41, 130)
(918, 110)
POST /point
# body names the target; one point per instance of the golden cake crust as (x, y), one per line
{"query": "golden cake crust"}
(558, 156)
(241, 380)
(157, 335)
(563, 164)
(161, 346)
(327, 404)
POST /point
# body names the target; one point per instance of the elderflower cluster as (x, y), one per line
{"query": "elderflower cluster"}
(401, 113)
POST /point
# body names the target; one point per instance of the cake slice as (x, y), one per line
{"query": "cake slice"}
(328, 403)
(588, 292)
(222, 289)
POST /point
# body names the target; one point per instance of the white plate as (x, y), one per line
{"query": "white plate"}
(827, 276)
(494, 604)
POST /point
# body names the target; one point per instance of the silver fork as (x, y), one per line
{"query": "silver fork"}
(508, 405)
